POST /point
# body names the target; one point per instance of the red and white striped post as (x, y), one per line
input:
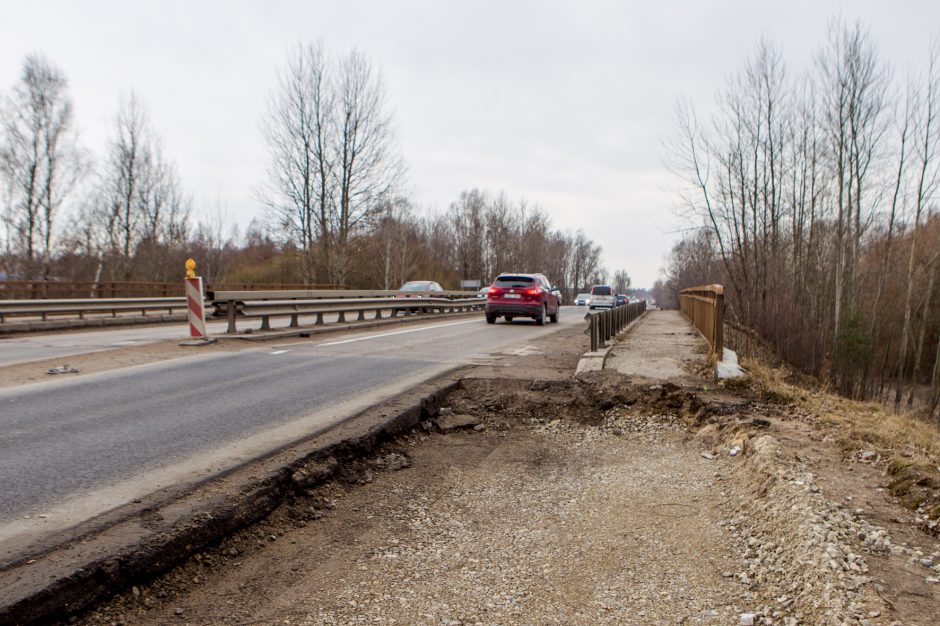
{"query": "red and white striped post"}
(194, 302)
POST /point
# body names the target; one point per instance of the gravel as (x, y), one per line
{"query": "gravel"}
(564, 524)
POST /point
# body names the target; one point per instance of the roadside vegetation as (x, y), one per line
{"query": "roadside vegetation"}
(906, 447)
(815, 192)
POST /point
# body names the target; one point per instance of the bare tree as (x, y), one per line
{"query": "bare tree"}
(39, 161)
(854, 84)
(298, 129)
(622, 281)
(333, 158)
(140, 205)
(367, 165)
(928, 177)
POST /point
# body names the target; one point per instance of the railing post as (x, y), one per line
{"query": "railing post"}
(230, 313)
(720, 325)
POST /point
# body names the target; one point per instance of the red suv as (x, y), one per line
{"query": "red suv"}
(522, 295)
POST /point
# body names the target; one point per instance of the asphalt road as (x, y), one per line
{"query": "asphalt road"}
(72, 449)
(18, 349)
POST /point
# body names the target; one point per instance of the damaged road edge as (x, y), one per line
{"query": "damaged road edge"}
(82, 566)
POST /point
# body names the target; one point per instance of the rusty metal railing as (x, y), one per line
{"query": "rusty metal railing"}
(705, 307)
(606, 324)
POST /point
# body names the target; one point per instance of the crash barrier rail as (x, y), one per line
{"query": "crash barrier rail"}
(81, 307)
(705, 307)
(606, 324)
(49, 289)
(234, 305)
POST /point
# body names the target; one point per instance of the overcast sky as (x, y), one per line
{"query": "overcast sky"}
(564, 104)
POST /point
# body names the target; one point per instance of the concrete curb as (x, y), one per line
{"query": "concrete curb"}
(594, 361)
(345, 326)
(79, 567)
(12, 328)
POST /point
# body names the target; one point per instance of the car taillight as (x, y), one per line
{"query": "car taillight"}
(493, 291)
(533, 292)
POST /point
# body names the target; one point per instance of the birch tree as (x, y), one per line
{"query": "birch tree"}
(39, 162)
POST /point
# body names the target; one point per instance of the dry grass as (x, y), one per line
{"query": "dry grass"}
(909, 446)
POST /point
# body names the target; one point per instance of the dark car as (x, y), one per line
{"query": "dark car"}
(621, 299)
(421, 285)
(522, 295)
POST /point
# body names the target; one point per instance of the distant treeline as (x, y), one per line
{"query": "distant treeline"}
(334, 210)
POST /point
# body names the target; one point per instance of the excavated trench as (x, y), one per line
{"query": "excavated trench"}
(775, 517)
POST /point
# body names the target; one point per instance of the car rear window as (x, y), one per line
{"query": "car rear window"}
(514, 281)
(416, 286)
(601, 291)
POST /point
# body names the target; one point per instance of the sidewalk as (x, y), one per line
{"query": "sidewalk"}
(662, 346)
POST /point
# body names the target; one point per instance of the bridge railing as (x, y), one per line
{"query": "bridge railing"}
(30, 315)
(110, 289)
(705, 307)
(48, 313)
(604, 325)
(235, 305)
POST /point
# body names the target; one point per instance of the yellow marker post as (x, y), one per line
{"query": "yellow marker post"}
(194, 302)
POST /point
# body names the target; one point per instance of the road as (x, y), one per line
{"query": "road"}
(72, 449)
(16, 349)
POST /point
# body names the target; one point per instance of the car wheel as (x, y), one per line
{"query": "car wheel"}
(490, 319)
(554, 317)
(540, 320)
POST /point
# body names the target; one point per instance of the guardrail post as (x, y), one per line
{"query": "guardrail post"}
(319, 321)
(294, 323)
(362, 316)
(230, 314)
(342, 317)
(265, 324)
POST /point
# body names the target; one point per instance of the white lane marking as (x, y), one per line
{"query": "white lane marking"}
(525, 351)
(397, 332)
(278, 352)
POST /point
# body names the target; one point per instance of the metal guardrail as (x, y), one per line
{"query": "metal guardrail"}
(320, 294)
(234, 308)
(83, 306)
(604, 325)
(263, 304)
(48, 289)
(705, 307)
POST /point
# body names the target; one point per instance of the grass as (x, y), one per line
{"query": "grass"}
(909, 446)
